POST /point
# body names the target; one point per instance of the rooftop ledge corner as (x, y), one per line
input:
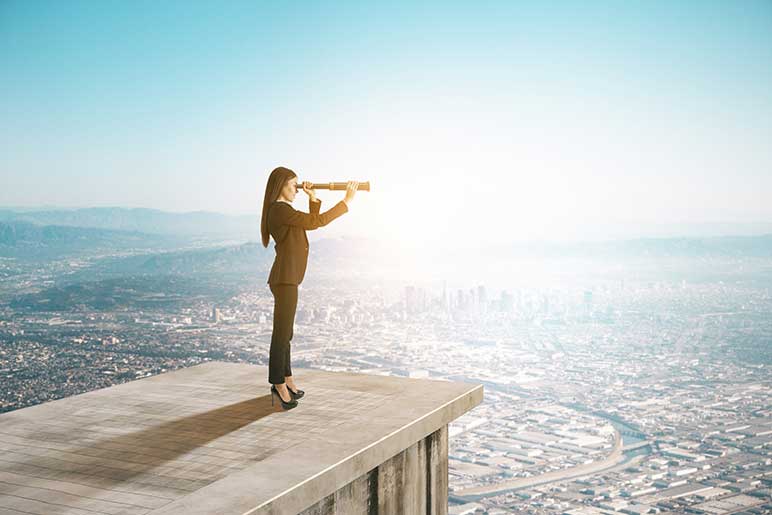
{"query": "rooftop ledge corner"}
(206, 440)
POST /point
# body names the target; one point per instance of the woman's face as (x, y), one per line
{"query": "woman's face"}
(289, 190)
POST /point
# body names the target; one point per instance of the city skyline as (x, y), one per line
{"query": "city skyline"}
(554, 299)
(641, 386)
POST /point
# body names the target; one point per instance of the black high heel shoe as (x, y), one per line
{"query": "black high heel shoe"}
(284, 405)
(295, 396)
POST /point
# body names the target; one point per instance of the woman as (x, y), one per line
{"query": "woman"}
(288, 228)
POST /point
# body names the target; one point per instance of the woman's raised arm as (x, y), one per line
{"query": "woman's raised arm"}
(282, 213)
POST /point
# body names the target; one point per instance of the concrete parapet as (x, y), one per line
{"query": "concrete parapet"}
(206, 440)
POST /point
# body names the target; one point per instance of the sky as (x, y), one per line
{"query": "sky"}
(475, 122)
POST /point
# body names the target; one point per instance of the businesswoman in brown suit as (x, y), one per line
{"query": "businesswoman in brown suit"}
(288, 228)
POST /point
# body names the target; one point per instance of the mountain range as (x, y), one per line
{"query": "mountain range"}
(58, 233)
(150, 221)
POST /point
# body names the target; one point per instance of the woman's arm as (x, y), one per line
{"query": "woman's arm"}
(284, 214)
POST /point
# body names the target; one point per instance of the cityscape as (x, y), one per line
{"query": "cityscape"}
(644, 390)
(531, 244)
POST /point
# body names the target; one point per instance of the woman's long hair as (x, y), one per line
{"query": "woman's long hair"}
(276, 181)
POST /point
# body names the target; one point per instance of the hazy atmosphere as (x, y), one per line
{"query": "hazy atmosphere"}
(492, 120)
(555, 298)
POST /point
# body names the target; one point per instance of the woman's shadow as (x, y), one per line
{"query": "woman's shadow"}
(118, 460)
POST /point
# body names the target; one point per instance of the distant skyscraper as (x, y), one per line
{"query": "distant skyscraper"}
(420, 300)
(216, 315)
(304, 316)
(588, 301)
(410, 299)
(482, 299)
(506, 302)
(415, 300)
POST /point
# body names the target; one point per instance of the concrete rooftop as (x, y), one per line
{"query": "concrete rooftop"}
(205, 439)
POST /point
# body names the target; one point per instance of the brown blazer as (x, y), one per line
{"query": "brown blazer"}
(288, 227)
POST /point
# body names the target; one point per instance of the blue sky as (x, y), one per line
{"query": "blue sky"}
(482, 118)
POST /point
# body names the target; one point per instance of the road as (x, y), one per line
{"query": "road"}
(609, 461)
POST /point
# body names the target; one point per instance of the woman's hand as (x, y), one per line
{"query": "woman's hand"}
(351, 190)
(309, 191)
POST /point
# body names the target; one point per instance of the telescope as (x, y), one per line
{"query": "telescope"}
(363, 186)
